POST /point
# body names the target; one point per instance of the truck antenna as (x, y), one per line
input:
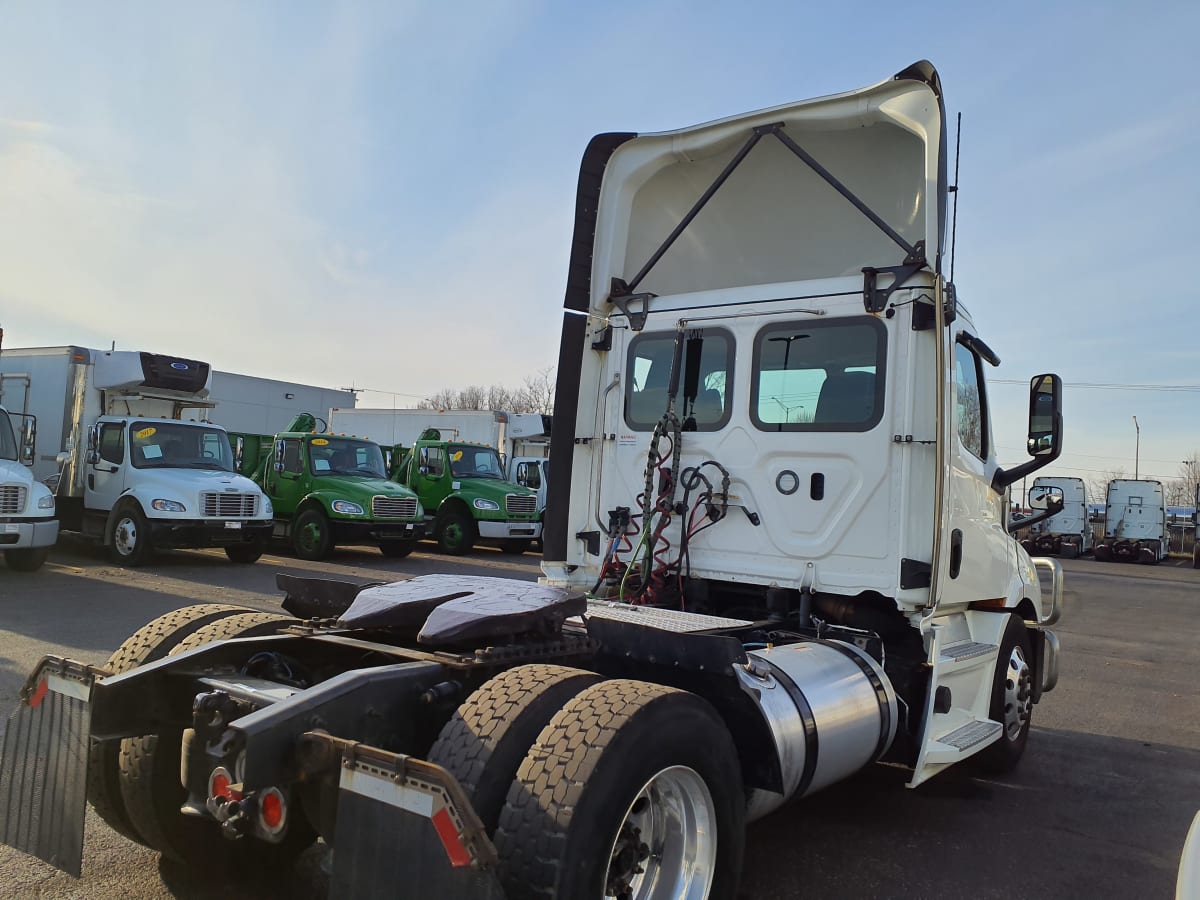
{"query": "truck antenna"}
(954, 191)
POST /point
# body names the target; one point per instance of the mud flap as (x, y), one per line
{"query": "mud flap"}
(402, 821)
(43, 764)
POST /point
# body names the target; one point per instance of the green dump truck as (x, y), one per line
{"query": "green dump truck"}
(330, 489)
(466, 498)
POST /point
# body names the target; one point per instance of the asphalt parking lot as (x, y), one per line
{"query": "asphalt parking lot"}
(1099, 807)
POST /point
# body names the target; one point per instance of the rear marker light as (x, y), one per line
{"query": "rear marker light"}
(220, 784)
(272, 811)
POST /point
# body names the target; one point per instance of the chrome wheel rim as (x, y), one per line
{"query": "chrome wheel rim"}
(125, 536)
(1018, 694)
(666, 846)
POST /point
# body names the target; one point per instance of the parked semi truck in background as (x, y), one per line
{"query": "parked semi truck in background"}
(726, 622)
(329, 489)
(28, 528)
(1067, 533)
(1135, 523)
(129, 471)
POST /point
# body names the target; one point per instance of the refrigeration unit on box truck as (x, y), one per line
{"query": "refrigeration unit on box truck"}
(1067, 533)
(741, 605)
(1135, 522)
(129, 470)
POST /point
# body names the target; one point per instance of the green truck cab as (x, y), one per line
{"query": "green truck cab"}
(466, 498)
(330, 489)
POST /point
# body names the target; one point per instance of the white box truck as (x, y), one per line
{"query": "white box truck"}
(741, 605)
(28, 528)
(129, 469)
(1067, 533)
(1135, 522)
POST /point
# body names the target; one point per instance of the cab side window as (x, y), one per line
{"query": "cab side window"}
(291, 457)
(112, 443)
(433, 462)
(970, 408)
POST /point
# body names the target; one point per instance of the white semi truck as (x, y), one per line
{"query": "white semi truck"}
(1067, 533)
(1135, 522)
(128, 469)
(28, 528)
(742, 603)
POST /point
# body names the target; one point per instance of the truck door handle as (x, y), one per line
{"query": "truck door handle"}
(955, 552)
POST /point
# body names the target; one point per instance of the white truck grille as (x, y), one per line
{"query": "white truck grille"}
(394, 507)
(521, 504)
(12, 499)
(229, 505)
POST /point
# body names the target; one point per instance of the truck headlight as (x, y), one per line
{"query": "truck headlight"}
(168, 506)
(46, 502)
(484, 503)
(268, 510)
(346, 508)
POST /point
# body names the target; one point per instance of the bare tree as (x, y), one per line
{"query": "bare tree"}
(535, 396)
(1097, 485)
(1181, 491)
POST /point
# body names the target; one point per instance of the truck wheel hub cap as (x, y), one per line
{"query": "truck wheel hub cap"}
(1018, 694)
(126, 536)
(666, 846)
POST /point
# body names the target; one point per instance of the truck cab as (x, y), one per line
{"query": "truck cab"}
(466, 497)
(152, 483)
(1067, 533)
(329, 489)
(1135, 522)
(28, 528)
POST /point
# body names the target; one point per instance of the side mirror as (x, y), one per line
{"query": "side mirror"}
(93, 442)
(1044, 441)
(1045, 416)
(239, 452)
(279, 456)
(1045, 497)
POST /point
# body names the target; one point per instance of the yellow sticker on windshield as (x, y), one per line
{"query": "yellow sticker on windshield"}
(145, 433)
(456, 456)
(319, 442)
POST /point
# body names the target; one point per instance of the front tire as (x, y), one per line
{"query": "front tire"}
(27, 559)
(1012, 699)
(455, 532)
(311, 536)
(129, 537)
(397, 549)
(152, 793)
(633, 790)
(246, 554)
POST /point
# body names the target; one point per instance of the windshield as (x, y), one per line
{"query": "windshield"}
(345, 456)
(471, 461)
(174, 445)
(8, 443)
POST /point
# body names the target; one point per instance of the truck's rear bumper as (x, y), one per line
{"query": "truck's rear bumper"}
(509, 530)
(16, 534)
(373, 532)
(205, 533)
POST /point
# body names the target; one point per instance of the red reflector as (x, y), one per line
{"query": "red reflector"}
(271, 810)
(39, 694)
(454, 847)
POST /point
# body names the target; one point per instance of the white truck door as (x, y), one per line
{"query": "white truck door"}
(104, 473)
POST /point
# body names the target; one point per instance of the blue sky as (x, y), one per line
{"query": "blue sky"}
(381, 194)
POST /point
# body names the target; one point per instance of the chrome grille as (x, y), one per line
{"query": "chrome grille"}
(394, 507)
(521, 504)
(12, 499)
(229, 505)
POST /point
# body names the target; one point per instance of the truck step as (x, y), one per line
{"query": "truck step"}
(663, 619)
(962, 741)
(965, 655)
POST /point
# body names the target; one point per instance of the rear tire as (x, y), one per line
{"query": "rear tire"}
(149, 643)
(397, 549)
(623, 760)
(27, 559)
(245, 554)
(487, 738)
(152, 793)
(129, 537)
(1012, 700)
